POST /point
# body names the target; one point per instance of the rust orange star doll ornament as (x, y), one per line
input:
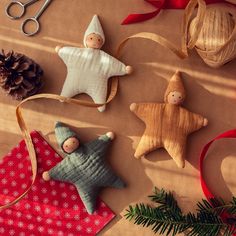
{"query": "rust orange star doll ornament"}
(167, 124)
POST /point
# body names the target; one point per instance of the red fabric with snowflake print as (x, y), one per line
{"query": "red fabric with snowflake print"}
(50, 208)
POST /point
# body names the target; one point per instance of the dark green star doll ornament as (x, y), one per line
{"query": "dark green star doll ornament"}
(84, 165)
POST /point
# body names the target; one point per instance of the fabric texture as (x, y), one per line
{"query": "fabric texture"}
(94, 27)
(88, 69)
(86, 169)
(167, 126)
(51, 208)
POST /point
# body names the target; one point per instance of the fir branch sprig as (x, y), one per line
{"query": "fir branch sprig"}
(167, 218)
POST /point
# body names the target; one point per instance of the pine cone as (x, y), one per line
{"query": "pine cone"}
(20, 76)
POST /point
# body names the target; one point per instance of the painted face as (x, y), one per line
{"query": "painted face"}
(70, 145)
(94, 41)
(175, 98)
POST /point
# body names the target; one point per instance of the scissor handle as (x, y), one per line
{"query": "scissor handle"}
(25, 22)
(14, 3)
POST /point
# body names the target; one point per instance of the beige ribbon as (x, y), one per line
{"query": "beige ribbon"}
(114, 86)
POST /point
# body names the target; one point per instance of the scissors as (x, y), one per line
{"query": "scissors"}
(34, 19)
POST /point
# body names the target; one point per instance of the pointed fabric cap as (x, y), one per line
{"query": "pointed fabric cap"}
(94, 27)
(62, 133)
(175, 84)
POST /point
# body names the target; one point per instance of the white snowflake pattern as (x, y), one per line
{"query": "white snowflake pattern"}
(54, 192)
(39, 218)
(5, 191)
(37, 208)
(12, 173)
(6, 201)
(67, 215)
(2, 230)
(87, 220)
(52, 182)
(15, 193)
(47, 152)
(20, 224)
(50, 231)
(30, 226)
(64, 195)
(75, 207)
(22, 175)
(45, 201)
(44, 190)
(29, 216)
(59, 223)
(34, 188)
(55, 203)
(65, 204)
(47, 210)
(20, 165)
(2, 171)
(56, 155)
(19, 214)
(35, 198)
(18, 155)
(23, 186)
(48, 221)
(104, 214)
(10, 163)
(57, 213)
(49, 162)
(96, 222)
(68, 225)
(10, 222)
(22, 234)
(37, 150)
(79, 227)
(89, 230)
(76, 217)
(45, 143)
(27, 206)
(11, 232)
(60, 233)
(35, 140)
(4, 181)
(72, 187)
(13, 183)
(8, 211)
(73, 197)
(40, 229)
(1, 219)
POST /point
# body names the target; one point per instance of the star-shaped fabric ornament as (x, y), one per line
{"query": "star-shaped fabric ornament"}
(89, 68)
(167, 124)
(84, 165)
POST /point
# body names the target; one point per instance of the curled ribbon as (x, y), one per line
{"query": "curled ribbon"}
(159, 5)
(226, 217)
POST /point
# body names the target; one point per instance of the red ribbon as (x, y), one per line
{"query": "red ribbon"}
(159, 5)
(228, 134)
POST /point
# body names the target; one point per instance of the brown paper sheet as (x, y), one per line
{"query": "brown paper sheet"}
(210, 92)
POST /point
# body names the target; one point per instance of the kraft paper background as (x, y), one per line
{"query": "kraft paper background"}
(210, 92)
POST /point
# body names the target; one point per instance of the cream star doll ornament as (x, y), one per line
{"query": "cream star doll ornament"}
(167, 124)
(89, 68)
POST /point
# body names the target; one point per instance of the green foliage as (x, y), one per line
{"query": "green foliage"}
(167, 218)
